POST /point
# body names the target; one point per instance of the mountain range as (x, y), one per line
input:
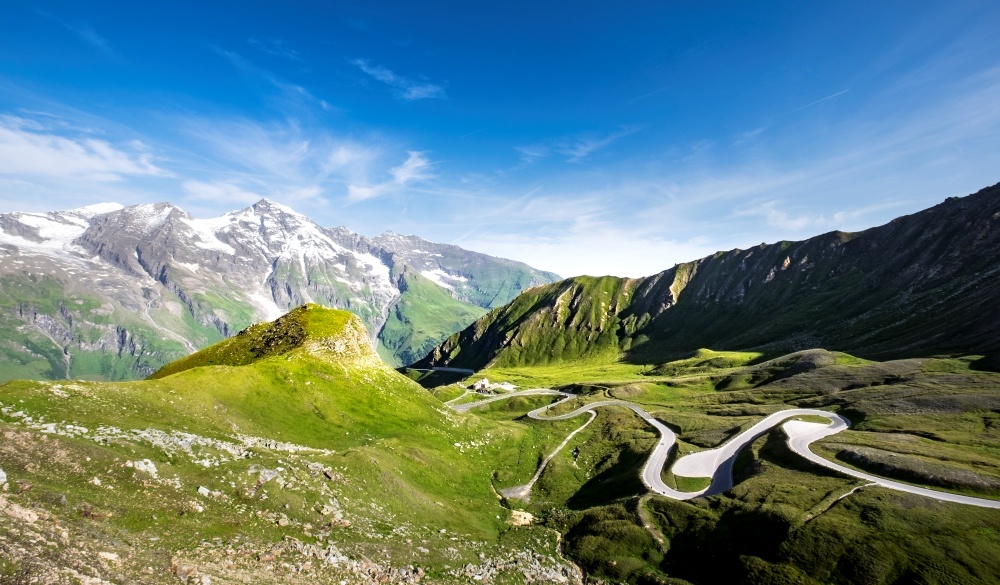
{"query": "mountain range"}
(115, 292)
(711, 425)
(922, 284)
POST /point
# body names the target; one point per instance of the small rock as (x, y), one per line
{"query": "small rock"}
(204, 491)
(266, 475)
(109, 556)
(145, 466)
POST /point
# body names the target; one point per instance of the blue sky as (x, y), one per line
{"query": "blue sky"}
(585, 137)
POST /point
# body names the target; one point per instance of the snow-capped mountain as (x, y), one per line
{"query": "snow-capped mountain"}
(112, 291)
(482, 280)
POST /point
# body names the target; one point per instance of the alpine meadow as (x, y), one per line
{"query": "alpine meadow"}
(445, 293)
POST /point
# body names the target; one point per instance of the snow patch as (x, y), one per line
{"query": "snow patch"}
(191, 267)
(266, 304)
(149, 213)
(205, 229)
(441, 278)
(57, 231)
(377, 269)
(51, 228)
(90, 211)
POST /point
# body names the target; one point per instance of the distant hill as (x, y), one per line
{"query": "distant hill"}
(926, 283)
(112, 292)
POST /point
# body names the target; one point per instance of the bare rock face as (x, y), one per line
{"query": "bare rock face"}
(116, 291)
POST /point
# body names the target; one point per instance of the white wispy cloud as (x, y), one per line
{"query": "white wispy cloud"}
(415, 169)
(819, 101)
(27, 148)
(749, 135)
(220, 191)
(288, 162)
(88, 34)
(531, 153)
(406, 88)
(576, 147)
(276, 47)
(237, 193)
(583, 145)
(291, 92)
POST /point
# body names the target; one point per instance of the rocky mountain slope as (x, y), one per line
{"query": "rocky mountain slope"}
(115, 292)
(484, 281)
(924, 283)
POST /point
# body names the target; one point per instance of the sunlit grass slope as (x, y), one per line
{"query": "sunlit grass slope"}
(304, 396)
(423, 316)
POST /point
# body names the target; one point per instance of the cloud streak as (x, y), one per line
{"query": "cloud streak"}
(28, 149)
(574, 148)
(292, 92)
(415, 169)
(406, 88)
(86, 33)
(95, 40)
(809, 105)
(276, 47)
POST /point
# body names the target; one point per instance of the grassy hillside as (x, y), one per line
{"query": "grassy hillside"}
(290, 453)
(573, 319)
(75, 335)
(920, 285)
(423, 316)
(308, 323)
(929, 422)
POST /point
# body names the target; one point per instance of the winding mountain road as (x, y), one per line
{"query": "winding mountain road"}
(717, 463)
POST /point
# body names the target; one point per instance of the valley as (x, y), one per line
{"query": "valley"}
(292, 452)
(520, 293)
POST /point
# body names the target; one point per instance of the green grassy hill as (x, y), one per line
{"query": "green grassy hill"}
(266, 450)
(292, 454)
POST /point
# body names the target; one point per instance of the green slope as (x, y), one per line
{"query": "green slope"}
(929, 422)
(100, 338)
(378, 468)
(423, 316)
(309, 322)
(304, 396)
(923, 284)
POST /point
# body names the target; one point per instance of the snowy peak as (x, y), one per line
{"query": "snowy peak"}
(175, 282)
(90, 211)
(266, 206)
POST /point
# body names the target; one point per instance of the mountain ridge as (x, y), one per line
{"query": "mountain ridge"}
(115, 292)
(918, 284)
